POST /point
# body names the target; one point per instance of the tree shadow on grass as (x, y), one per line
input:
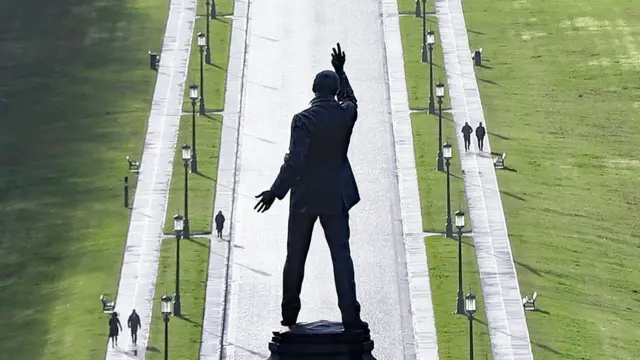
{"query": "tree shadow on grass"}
(75, 90)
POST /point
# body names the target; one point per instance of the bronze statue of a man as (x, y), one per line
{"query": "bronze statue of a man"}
(317, 171)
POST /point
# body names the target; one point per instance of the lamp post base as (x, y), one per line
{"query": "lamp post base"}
(440, 163)
(418, 11)
(432, 106)
(425, 54)
(202, 110)
(186, 234)
(177, 307)
(448, 230)
(194, 164)
(460, 304)
(207, 56)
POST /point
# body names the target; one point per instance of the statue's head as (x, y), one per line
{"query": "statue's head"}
(326, 83)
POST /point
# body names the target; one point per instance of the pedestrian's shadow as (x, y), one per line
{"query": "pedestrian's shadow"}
(153, 349)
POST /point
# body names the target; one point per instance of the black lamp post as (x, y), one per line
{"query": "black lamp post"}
(178, 226)
(431, 40)
(207, 55)
(460, 299)
(446, 149)
(424, 30)
(470, 307)
(165, 303)
(213, 9)
(202, 43)
(186, 157)
(193, 95)
(440, 95)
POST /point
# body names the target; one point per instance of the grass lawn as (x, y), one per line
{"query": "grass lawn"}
(561, 97)
(185, 332)
(452, 329)
(208, 128)
(75, 93)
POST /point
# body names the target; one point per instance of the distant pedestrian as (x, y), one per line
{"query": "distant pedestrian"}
(467, 130)
(219, 224)
(134, 324)
(114, 324)
(480, 133)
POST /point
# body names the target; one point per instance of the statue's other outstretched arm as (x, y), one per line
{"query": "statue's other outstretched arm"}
(294, 160)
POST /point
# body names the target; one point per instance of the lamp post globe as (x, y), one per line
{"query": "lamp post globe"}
(178, 223)
(470, 308)
(193, 94)
(186, 152)
(446, 151)
(460, 299)
(431, 38)
(202, 40)
(440, 91)
(459, 220)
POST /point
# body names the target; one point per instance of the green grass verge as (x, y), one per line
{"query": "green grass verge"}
(209, 126)
(185, 332)
(453, 330)
(75, 92)
(561, 99)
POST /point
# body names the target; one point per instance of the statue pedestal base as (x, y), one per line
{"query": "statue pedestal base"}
(321, 340)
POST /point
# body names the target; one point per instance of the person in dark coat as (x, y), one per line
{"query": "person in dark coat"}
(467, 130)
(480, 133)
(114, 324)
(318, 173)
(219, 224)
(134, 324)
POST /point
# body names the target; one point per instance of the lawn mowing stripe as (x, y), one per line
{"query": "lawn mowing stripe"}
(505, 315)
(184, 331)
(213, 322)
(423, 318)
(142, 251)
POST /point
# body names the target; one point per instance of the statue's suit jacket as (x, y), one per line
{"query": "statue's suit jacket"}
(316, 168)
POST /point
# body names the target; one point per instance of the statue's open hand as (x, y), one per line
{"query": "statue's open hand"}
(338, 58)
(266, 200)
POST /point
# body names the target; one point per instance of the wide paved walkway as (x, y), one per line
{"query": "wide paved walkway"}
(140, 264)
(502, 296)
(288, 41)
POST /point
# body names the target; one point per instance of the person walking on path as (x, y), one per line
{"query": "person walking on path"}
(480, 133)
(114, 324)
(219, 224)
(134, 324)
(322, 184)
(467, 130)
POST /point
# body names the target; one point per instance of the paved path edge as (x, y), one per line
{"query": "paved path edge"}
(423, 318)
(214, 321)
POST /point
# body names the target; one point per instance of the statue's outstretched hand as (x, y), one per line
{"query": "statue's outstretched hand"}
(266, 200)
(338, 58)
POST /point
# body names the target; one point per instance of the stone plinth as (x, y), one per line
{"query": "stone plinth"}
(321, 340)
